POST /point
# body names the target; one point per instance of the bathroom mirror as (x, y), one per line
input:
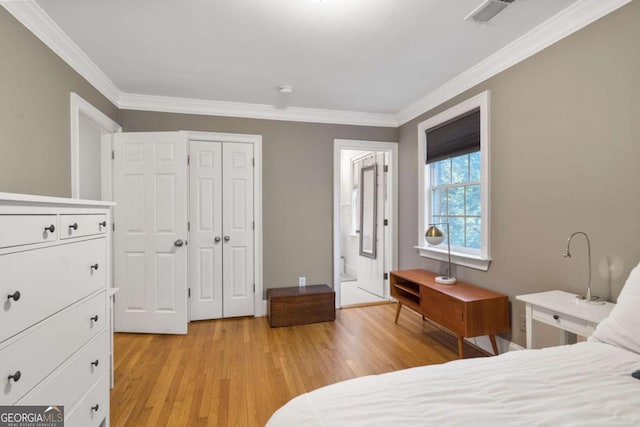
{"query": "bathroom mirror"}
(368, 204)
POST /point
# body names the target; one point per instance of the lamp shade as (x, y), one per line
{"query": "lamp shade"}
(433, 235)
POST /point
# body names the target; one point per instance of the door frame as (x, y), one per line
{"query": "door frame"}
(78, 107)
(256, 140)
(391, 246)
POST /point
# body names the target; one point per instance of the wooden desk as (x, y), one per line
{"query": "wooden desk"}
(462, 309)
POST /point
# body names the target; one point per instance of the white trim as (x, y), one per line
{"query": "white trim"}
(79, 106)
(168, 104)
(259, 307)
(392, 244)
(36, 20)
(503, 345)
(481, 261)
(573, 18)
(457, 258)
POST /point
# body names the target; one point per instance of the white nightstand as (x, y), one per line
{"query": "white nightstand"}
(565, 312)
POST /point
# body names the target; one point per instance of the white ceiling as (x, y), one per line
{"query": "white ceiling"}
(374, 56)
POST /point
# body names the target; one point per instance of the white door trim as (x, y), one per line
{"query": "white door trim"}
(79, 106)
(256, 140)
(391, 247)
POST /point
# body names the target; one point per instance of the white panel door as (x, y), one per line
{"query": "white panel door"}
(237, 225)
(205, 236)
(150, 263)
(371, 270)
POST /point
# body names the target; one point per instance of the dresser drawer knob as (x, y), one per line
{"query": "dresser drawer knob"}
(74, 226)
(95, 266)
(15, 377)
(102, 224)
(95, 407)
(94, 318)
(556, 317)
(15, 296)
(50, 228)
(95, 363)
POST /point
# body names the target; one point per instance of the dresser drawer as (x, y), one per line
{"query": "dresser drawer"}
(82, 225)
(18, 230)
(47, 280)
(93, 407)
(443, 309)
(563, 321)
(66, 385)
(41, 349)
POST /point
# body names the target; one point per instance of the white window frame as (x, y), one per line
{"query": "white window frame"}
(481, 260)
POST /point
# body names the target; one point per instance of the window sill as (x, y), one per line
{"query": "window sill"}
(466, 260)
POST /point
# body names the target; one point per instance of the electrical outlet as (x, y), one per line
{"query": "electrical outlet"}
(302, 281)
(523, 323)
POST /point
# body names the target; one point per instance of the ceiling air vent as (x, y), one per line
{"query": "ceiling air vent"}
(488, 10)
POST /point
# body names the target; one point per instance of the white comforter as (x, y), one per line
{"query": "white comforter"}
(585, 384)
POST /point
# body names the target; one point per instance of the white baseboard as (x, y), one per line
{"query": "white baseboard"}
(503, 345)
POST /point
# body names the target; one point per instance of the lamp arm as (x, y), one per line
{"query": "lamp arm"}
(449, 249)
(589, 256)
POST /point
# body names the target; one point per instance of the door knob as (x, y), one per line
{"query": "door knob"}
(178, 243)
(227, 238)
(216, 239)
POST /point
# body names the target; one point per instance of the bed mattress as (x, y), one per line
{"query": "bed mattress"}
(585, 384)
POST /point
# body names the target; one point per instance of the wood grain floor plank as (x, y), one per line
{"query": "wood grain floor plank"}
(237, 372)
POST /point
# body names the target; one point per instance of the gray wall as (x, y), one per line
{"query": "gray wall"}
(297, 185)
(34, 113)
(565, 153)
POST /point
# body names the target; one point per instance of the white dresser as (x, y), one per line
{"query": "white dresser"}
(55, 335)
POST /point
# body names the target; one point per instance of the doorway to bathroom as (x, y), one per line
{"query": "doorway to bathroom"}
(365, 228)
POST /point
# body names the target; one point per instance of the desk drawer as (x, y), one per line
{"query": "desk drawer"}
(48, 280)
(560, 320)
(75, 377)
(40, 350)
(443, 309)
(93, 407)
(82, 225)
(16, 230)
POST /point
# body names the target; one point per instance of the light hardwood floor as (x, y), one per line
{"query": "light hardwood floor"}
(237, 372)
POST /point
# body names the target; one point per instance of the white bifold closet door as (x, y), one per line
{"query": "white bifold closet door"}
(150, 254)
(221, 245)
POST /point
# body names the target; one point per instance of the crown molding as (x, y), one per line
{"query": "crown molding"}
(36, 20)
(168, 104)
(565, 23)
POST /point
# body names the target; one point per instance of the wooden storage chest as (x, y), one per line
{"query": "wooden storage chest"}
(301, 305)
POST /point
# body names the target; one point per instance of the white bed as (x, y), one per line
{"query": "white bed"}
(585, 384)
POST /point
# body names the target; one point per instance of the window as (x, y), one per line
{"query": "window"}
(454, 182)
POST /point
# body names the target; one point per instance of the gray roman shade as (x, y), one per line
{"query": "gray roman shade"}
(454, 138)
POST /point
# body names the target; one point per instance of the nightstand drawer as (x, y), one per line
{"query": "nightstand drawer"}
(82, 225)
(561, 320)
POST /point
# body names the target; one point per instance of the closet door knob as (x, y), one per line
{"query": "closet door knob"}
(95, 408)
(178, 243)
(217, 239)
(95, 363)
(50, 228)
(74, 226)
(16, 296)
(227, 238)
(94, 318)
(15, 377)
(95, 266)
(102, 224)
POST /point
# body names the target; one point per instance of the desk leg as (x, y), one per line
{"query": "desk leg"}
(460, 347)
(398, 308)
(493, 344)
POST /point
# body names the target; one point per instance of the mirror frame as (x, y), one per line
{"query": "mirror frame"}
(362, 188)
